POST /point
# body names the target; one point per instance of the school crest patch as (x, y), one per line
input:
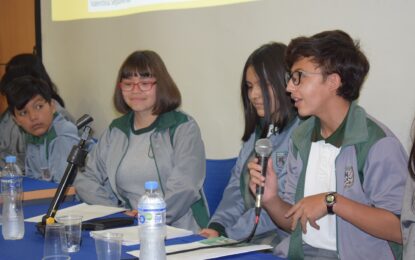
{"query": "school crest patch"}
(280, 159)
(348, 177)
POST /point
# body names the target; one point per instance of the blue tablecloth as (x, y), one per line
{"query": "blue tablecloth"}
(31, 246)
(30, 184)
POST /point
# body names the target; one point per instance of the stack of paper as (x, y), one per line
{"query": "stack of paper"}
(207, 253)
(131, 234)
(86, 211)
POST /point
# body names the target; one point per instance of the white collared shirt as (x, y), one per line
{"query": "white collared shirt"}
(321, 177)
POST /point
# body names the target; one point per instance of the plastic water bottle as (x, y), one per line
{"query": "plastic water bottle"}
(1, 200)
(152, 223)
(1, 197)
(12, 194)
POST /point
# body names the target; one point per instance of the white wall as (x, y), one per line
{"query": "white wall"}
(205, 50)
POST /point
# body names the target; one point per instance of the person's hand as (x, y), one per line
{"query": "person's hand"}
(209, 233)
(270, 182)
(309, 209)
(131, 213)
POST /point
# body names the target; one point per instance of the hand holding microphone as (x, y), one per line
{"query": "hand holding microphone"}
(263, 149)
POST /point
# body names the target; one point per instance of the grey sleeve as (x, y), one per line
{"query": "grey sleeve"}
(91, 184)
(245, 223)
(293, 168)
(13, 142)
(183, 186)
(385, 174)
(232, 215)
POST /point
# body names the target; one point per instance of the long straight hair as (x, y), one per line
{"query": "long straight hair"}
(268, 63)
(411, 162)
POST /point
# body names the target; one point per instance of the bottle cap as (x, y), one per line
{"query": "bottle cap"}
(151, 185)
(10, 159)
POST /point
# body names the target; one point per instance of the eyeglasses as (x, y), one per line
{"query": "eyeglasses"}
(144, 84)
(295, 76)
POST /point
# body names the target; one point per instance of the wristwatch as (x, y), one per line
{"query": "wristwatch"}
(330, 200)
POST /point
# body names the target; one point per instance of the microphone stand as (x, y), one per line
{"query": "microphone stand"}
(76, 159)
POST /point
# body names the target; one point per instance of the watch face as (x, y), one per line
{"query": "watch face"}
(330, 198)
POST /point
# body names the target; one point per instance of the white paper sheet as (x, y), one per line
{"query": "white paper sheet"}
(206, 253)
(86, 211)
(131, 234)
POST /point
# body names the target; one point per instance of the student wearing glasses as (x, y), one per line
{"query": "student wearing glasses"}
(346, 171)
(269, 113)
(151, 141)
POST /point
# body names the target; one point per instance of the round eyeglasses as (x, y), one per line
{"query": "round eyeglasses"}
(296, 76)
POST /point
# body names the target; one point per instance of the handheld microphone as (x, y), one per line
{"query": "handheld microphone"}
(263, 149)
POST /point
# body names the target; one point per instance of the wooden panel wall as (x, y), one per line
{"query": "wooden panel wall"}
(17, 29)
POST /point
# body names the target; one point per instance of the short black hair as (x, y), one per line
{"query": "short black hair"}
(25, 88)
(28, 64)
(334, 52)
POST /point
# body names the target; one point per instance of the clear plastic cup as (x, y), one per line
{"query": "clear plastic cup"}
(73, 230)
(55, 240)
(108, 245)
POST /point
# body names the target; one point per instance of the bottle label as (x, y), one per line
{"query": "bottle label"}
(11, 183)
(151, 216)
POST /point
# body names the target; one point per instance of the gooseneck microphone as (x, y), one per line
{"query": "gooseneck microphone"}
(83, 121)
(263, 149)
(76, 159)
